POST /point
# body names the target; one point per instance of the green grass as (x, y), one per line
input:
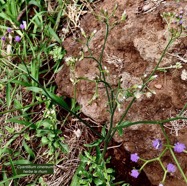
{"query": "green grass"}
(28, 101)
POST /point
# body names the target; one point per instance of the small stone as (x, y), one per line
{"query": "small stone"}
(158, 86)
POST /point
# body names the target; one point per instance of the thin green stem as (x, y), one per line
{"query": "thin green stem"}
(178, 165)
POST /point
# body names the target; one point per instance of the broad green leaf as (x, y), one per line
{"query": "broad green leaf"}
(44, 140)
(98, 181)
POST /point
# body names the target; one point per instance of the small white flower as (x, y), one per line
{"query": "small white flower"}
(25, 24)
(148, 94)
(139, 86)
(145, 75)
(77, 133)
(137, 94)
(184, 75)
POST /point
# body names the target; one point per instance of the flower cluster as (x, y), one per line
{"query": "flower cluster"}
(157, 144)
(10, 30)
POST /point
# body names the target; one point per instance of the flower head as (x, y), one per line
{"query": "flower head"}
(135, 173)
(179, 147)
(160, 184)
(9, 30)
(3, 38)
(171, 168)
(134, 157)
(180, 22)
(23, 25)
(157, 144)
(17, 39)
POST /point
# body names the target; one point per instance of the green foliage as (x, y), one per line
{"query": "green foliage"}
(93, 171)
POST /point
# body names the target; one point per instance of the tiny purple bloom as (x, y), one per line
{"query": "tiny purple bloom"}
(180, 22)
(157, 144)
(17, 39)
(134, 157)
(181, 12)
(171, 168)
(22, 26)
(135, 173)
(179, 147)
(3, 38)
(9, 30)
(160, 184)
(180, 16)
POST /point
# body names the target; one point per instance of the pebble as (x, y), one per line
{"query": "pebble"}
(158, 86)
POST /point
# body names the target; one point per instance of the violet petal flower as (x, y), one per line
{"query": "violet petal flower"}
(179, 147)
(22, 26)
(9, 30)
(17, 39)
(135, 173)
(134, 157)
(3, 38)
(180, 22)
(160, 184)
(171, 168)
(157, 144)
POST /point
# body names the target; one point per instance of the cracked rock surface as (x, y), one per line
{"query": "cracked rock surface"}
(132, 50)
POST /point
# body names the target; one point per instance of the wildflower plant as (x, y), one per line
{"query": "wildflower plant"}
(32, 49)
(162, 149)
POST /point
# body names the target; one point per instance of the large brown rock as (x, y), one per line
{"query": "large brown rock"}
(133, 49)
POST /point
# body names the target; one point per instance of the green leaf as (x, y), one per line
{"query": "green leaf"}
(25, 84)
(8, 94)
(120, 131)
(13, 167)
(97, 181)
(103, 131)
(94, 144)
(64, 147)
(22, 122)
(44, 140)
(17, 162)
(9, 129)
(123, 124)
(53, 34)
(28, 149)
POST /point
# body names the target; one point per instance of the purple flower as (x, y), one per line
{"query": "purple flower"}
(23, 25)
(3, 38)
(180, 16)
(171, 168)
(9, 30)
(179, 147)
(160, 184)
(135, 173)
(181, 12)
(134, 157)
(17, 39)
(157, 144)
(180, 22)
